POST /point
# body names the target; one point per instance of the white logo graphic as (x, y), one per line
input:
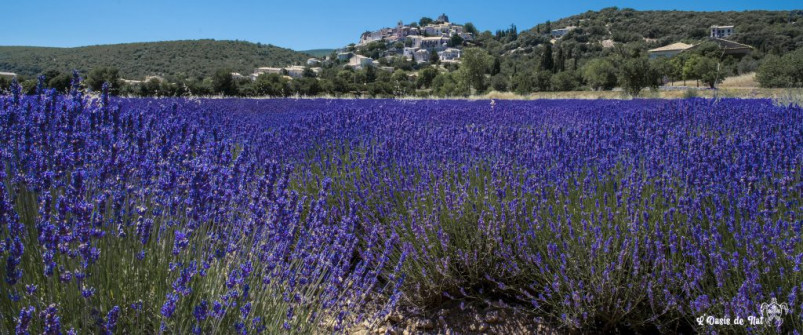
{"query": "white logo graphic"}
(770, 312)
(774, 310)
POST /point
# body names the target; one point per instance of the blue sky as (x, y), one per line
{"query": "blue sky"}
(296, 24)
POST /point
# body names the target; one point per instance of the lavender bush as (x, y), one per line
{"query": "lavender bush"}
(249, 216)
(145, 216)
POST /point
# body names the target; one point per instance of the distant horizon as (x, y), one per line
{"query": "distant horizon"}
(284, 25)
(163, 41)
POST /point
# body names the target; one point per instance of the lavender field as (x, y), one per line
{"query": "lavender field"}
(312, 216)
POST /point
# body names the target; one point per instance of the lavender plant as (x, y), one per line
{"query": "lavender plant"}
(309, 216)
(131, 216)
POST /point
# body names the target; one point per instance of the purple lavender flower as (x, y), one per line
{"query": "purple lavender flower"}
(201, 311)
(169, 306)
(87, 292)
(180, 242)
(245, 310)
(111, 320)
(52, 322)
(30, 289)
(218, 309)
(24, 320)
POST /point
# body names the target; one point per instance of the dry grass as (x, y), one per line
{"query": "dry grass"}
(619, 95)
(744, 81)
(729, 92)
(744, 86)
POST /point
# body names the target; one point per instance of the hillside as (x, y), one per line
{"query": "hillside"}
(192, 58)
(615, 34)
(767, 31)
(320, 53)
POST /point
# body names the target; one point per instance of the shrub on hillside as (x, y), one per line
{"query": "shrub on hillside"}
(785, 71)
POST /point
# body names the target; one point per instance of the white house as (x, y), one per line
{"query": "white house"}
(721, 31)
(268, 70)
(450, 54)
(415, 41)
(295, 71)
(313, 61)
(359, 61)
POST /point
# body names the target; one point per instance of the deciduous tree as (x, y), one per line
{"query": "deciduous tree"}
(635, 74)
(600, 74)
(474, 63)
(101, 75)
(223, 83)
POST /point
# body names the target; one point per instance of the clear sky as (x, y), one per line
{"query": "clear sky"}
(296, 24)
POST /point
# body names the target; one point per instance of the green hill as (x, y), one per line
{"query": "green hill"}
(767, 31)
(616, 34)
(172, 59)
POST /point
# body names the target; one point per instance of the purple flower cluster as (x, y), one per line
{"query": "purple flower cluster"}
(592, 215)
(160, 205)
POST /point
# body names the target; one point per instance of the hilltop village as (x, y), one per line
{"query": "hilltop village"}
(436, 41)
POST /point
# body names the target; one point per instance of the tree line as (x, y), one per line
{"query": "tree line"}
(479, 72)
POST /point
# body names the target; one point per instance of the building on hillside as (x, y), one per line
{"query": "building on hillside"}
(421, 56)
(237, 75)
(360, 61)
(434, 37)
(295, 71)
(403, 31)
(366, 61)
(669, 50)
(399, 32)
(440, 30)
(415, 41)
(409, 53)
(437, 43)
(313, 62)
(344, 56)
(268, 70)
(558, 33)
(7, 74)
(721, 31)
(450, 55)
